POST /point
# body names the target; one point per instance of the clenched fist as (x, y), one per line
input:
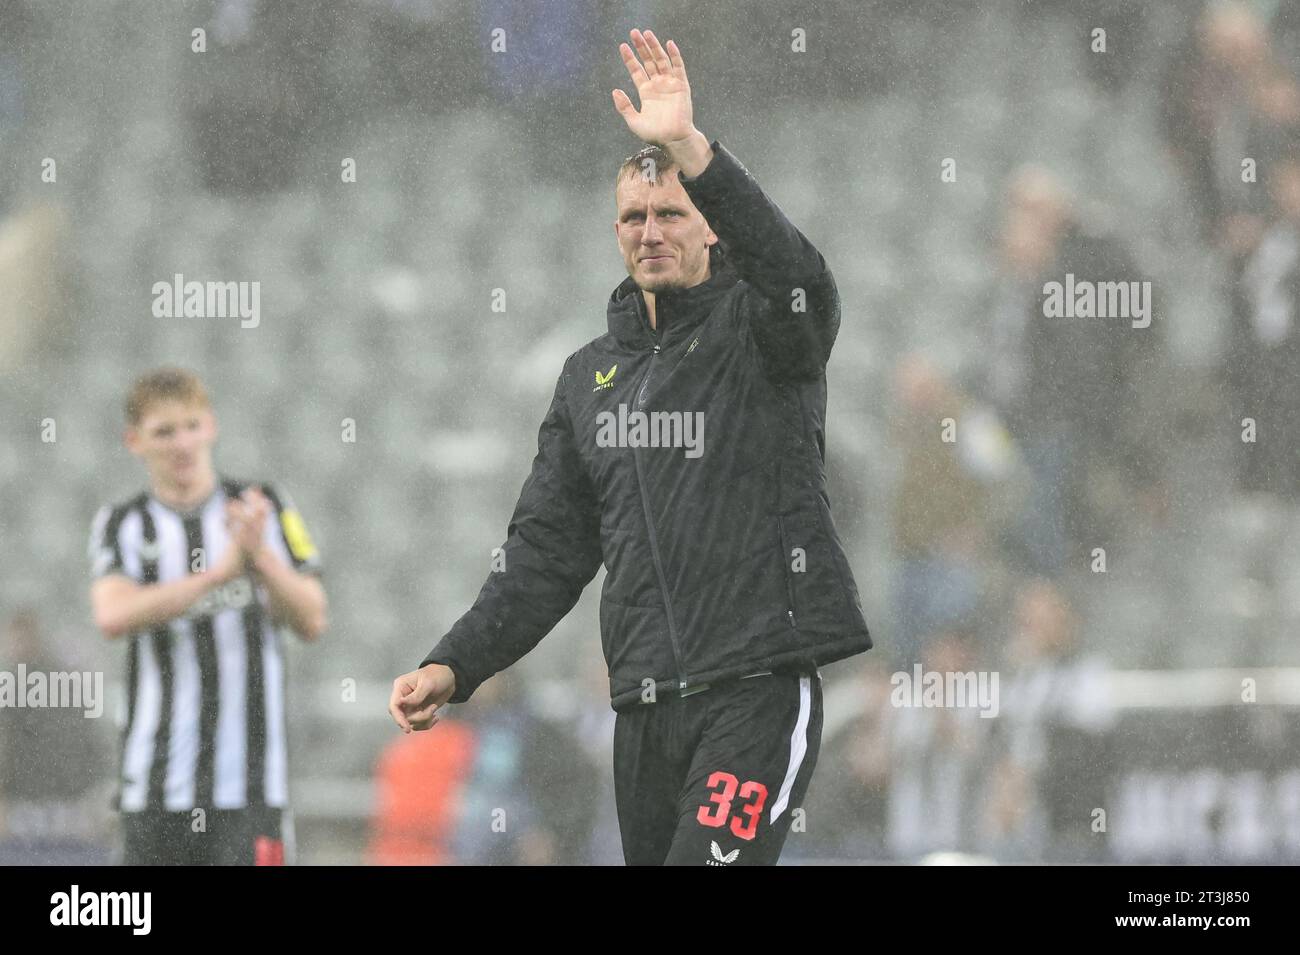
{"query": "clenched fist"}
(417, 696)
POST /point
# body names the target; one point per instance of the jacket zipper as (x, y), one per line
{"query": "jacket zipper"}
(682, 680)
(645, 381)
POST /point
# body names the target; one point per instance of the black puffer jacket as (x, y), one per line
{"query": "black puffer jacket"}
(722, 557)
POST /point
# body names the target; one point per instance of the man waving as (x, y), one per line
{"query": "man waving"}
(727, 586)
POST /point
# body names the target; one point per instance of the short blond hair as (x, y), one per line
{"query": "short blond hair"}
(650, 162)
(164, 384)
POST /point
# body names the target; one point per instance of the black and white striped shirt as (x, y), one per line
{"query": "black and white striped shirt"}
(204, 722)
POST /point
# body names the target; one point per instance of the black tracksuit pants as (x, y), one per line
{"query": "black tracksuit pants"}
(713, 778)
(250, 836)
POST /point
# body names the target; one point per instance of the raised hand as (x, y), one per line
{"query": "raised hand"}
(665, 118)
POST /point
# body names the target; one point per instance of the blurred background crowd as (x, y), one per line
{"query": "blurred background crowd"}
(1114, 530)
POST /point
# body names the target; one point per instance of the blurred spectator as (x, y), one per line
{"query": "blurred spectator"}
(418, 779)
(1264, 347)
(1206, 105)
(1070, 389)
(937, 761)
(947, 499)
(1272, 127)
(1047, 765)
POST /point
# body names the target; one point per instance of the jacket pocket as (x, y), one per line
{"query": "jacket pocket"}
(788, 557)
(812, 573)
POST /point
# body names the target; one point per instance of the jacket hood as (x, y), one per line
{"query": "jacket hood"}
(679, 311)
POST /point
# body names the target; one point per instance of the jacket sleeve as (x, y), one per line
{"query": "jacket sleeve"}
(799, 316)
(551, 553)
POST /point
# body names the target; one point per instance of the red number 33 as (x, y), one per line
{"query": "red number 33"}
(744, 822)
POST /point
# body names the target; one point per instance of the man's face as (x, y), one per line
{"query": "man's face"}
(174, 440)
(663, 237)
(1035, 214)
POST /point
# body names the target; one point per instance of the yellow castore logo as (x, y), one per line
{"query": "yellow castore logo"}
(606, 380)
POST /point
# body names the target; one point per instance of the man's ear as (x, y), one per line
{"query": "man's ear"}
(132, 439)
